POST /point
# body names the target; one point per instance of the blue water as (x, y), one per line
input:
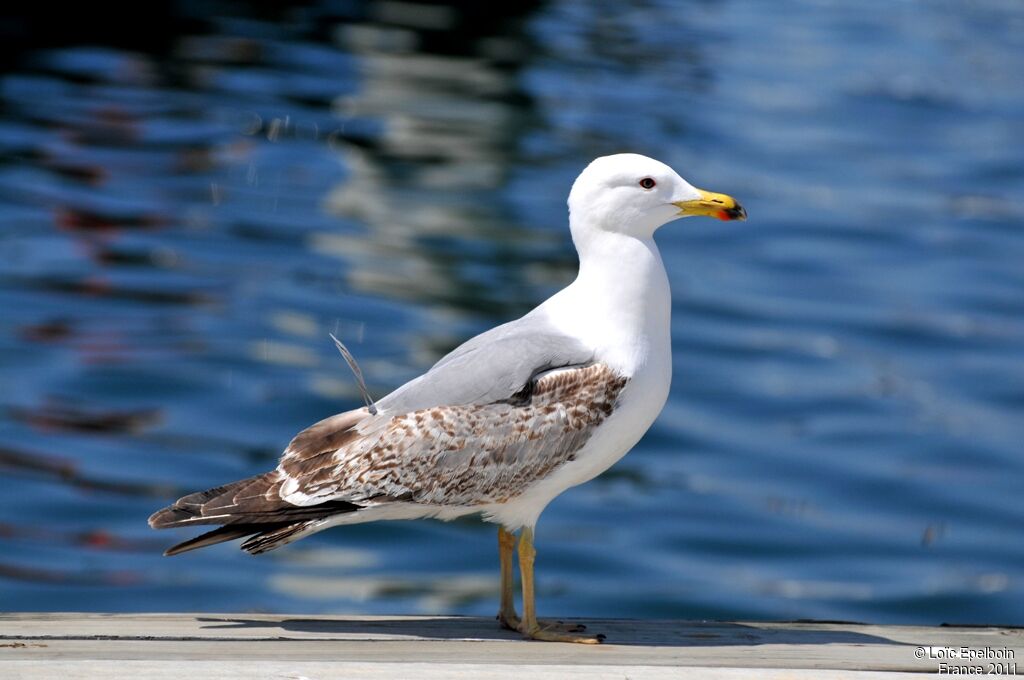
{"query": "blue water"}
(184, 217)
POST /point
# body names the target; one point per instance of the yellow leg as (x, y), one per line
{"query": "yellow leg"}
(507, 616)
(529, 626)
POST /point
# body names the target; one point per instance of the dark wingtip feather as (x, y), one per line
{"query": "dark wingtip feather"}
(201, 507)
(219, 535)
(245, 507)
(263, 537)
(162, 519)
(274, 537)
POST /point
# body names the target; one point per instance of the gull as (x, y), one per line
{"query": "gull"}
(509, 419)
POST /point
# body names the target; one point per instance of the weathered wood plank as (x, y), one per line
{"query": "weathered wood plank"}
(344, 670)
(69, 646)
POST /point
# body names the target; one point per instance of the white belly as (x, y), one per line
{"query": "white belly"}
(622, 309)
(641, 401)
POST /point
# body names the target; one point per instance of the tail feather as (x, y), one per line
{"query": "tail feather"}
(264, 537)
(255, 500)
(249, 507)
(275, 538)
(218, 535)
(255, 507)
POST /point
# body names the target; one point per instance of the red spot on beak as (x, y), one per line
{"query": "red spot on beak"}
(722, 215)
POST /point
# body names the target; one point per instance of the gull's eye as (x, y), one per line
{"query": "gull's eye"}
(647, 183)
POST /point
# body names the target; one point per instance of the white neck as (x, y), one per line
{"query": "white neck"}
(620, 303)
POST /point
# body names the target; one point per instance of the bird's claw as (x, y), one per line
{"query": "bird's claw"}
(508, 620)
(561, 632)
(511, 621)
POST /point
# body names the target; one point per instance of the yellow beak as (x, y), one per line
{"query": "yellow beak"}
(714, 205)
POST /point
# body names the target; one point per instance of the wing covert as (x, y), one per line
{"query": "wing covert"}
(461, 454)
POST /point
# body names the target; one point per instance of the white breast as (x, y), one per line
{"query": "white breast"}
(621, 310)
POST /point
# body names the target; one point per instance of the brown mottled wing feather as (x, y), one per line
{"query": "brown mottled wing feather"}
(256, 500)
(462, 455)
(484, 424)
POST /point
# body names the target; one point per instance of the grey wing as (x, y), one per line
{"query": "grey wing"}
(495, 403)
(461, 454)
(490, 367)
(482, 425)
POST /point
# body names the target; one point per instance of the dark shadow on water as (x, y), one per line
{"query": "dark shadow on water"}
(34, 464)
(645, 633)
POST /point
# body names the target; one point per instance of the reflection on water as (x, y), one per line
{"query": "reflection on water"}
(450, 110)
(186, 217)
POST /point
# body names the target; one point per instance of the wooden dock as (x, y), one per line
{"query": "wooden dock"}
(249, 646)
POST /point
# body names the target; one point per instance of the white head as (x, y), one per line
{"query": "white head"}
(634, 195)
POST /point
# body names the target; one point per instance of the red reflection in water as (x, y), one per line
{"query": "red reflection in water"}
(78, 219)
(67, 577)
(93, 539)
